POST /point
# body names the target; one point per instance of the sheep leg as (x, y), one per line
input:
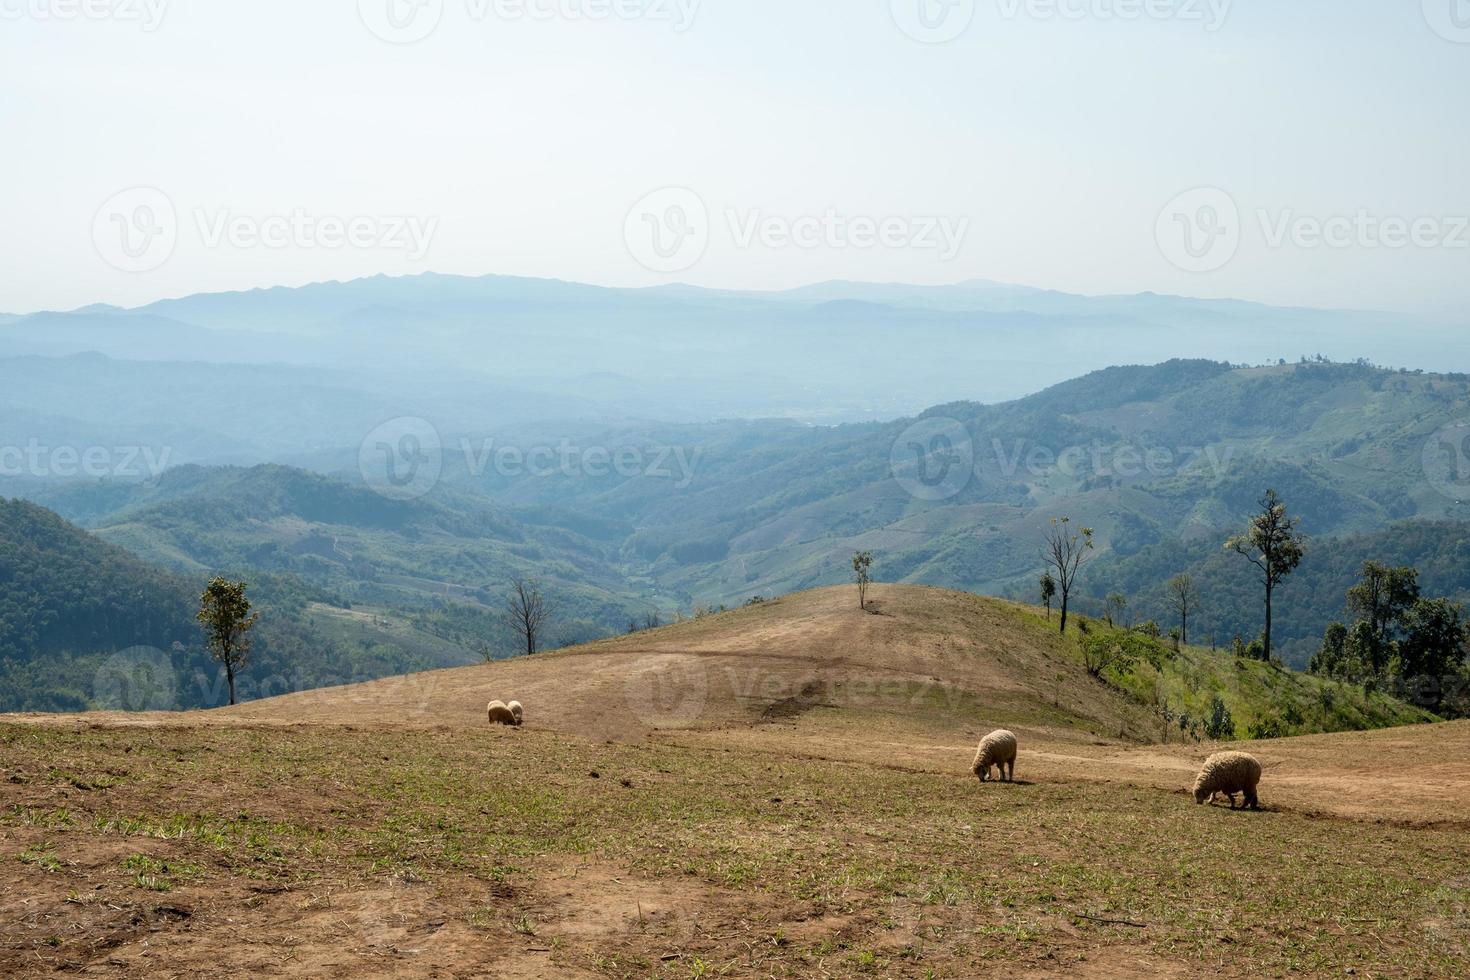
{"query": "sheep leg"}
(1232, 800)
(1251, 800)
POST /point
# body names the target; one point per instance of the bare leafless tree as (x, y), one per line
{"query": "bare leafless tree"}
(527, 612)
(1184, 595)
(1065, 552)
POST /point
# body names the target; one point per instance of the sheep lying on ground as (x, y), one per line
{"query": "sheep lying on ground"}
(501, 714)
(1229, 773)
(515, 709)
(996, 749)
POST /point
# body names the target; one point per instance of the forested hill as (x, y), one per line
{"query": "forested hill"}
(63, 590)
(85, 624)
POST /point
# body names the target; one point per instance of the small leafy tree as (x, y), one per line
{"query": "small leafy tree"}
(1220, 725)
(1108, 649)
(1048, 592)
(1274, 545)
(1066, 551)
(225, 615)
(1331, 659)
(862, 565)
(1113, 608)
(1182, 594)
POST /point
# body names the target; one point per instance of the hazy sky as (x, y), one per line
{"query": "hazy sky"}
(156, 148)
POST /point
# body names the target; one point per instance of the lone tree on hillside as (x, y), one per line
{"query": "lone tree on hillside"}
(862, 564)
(1066, 552)
(1114, 606)
(1183, 595)
(1274, 545)
(527, 612)
(1048, 592)
(225, 614)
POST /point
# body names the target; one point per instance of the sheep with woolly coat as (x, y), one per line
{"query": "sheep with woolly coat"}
(997, 749)
(517, 710)
(500, 714)
(1229, 773)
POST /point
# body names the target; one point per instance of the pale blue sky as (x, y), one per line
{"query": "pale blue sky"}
(523, 144)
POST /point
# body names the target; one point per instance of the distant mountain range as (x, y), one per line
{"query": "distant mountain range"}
(526, 349)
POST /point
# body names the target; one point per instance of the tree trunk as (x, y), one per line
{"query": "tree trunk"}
(1268, 623)
(1064, 613)
(230, 674)
(1184, 629)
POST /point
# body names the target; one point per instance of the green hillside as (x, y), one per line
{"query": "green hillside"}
(1314, 595)
(444, 560)
(87, 624)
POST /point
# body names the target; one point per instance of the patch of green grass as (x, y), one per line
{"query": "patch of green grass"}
(160, 876)
(41, 856)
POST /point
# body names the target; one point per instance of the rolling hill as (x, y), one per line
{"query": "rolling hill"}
(919, 658)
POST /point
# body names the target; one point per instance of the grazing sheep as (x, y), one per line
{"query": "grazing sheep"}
(500, 714)
(1229, 773)
(996, 749)
(515, 709)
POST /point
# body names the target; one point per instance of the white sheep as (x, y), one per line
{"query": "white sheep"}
(996, 749)
(515, 709)
(501, 714)
(1229, 773)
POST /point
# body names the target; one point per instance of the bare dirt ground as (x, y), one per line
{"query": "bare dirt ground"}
(788, 799)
